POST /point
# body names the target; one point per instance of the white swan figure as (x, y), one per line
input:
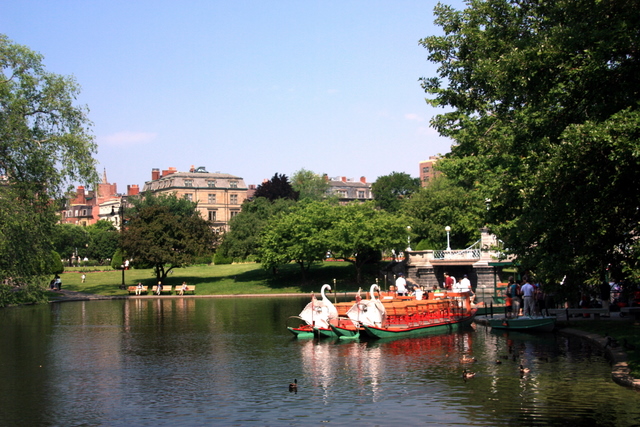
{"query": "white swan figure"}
(319, 313)
(369, 312)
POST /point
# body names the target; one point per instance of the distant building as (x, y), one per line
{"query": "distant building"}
(427, 170)
(219, 195)
(87, 207)
(348, 189)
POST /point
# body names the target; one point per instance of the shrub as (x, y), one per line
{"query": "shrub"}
(204, 259)
(117, 260)
(220, 259)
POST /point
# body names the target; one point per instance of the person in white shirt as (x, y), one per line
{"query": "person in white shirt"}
(401, 285)
(528, 292)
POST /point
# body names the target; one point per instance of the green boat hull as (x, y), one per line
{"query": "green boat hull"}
(524, 324)
(301, 332)
(346, 333)
(421, 329)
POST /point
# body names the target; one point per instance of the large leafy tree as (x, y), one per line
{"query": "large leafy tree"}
(390, 191)
(45, 146)
(103, 240)
(70, 239)
(443, 203)
(243, 238)
(297, 235)
(277, 187)
(360, 233)
(544, 99)
(165, 232)
(309, 185)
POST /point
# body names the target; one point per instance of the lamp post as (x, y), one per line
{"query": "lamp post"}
(448, 229)
(121, 216)
(408, 237)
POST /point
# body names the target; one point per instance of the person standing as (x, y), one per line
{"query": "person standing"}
(528, 294)
(401, 285)
(449, 281)
(159, 288)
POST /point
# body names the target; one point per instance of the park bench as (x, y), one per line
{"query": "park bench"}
(563, 313)
(132, 290)
(630, 310)
(190, 288)
(166, 289)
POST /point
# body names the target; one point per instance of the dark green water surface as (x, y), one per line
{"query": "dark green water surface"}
(201, 361)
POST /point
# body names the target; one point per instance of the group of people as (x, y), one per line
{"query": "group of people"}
(524, 298)
(56, 283)
(405, 288)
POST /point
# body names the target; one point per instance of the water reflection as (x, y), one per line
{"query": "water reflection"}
(222, 361)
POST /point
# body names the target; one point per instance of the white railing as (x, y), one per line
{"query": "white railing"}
(472, 252)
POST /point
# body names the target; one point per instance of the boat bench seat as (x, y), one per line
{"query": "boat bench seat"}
(132, 290)
(564, 312)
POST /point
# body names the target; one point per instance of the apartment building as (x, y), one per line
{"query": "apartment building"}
(219, 195)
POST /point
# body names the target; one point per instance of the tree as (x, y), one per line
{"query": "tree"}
(69, 240)
(298, 235)
(360, 233)
(443, 203)
(544, 99)
(166, 233)
(309, 185)
(45, 145)
(389, 191)
(277, 187)
(103, 240)
(243, 238)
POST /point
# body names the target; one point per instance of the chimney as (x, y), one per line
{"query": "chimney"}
(363, 179)
(169, 171)
(133, 190)
(344, 179)
(325, 177)
(155, 174)
(80, 196)
(193, 169)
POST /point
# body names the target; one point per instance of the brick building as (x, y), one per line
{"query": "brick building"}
(427, 170)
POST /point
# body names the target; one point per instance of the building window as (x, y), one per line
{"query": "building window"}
(188, 183)
(425, 169)
(233, 199)
(233, 184)
(189, 197)
(212, 215)
(212, 198)
(360, 194)
(234, 213)
(342, 193)
(211, 183)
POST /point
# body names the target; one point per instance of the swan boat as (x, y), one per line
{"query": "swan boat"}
(317, 316)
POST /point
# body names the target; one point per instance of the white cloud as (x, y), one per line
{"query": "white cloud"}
(414, 117)
(128, 138)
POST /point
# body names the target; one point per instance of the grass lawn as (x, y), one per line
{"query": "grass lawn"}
(234, 279)
(620, 331)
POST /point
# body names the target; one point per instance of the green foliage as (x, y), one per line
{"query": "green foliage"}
(69, 238)
(166, 232)
(309, 185)
(277, 187)
(220, 259)
(55, 266)
(444, 203)
(544, 113)
(356, 232)
(103, 241)
(44, 146)
(243, 238)
(117, 260)
(389, 191)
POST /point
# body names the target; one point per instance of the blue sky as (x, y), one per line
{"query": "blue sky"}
(249, 88)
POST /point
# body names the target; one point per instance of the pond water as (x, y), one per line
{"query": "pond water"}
(229, 361)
